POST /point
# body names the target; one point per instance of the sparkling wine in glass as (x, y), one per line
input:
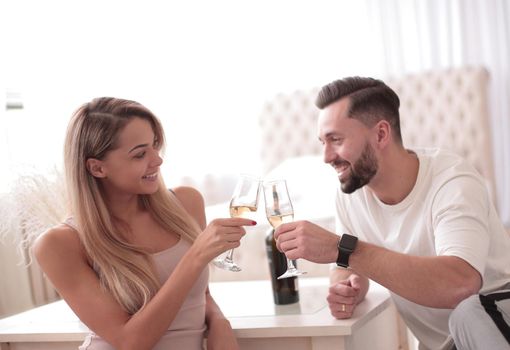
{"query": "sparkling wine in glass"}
(278, 211)
(242, 205)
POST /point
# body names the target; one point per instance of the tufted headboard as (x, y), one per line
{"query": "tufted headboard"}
(288, 128)
(443, 108)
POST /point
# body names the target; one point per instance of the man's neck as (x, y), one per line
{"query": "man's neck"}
(397, 175)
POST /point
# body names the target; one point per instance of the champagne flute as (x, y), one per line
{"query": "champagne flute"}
(244, 202)
(278, 211)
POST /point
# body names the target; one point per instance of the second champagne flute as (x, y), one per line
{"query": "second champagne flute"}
(278, 211)
(244, 202)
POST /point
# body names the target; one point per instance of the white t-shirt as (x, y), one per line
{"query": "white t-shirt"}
(448, 212)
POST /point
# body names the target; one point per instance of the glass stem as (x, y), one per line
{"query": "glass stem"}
(230, 255)
(290, 265)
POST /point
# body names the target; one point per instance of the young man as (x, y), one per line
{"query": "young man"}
(419, 222)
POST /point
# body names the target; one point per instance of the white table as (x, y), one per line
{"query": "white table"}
(257, 322)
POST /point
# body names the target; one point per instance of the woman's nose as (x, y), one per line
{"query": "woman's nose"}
(157, 160)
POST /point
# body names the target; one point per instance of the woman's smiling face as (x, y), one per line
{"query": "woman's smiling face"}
(132, 167)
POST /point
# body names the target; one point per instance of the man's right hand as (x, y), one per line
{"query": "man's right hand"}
(306, 240)
(344, 296)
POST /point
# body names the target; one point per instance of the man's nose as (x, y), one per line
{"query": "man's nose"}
(328, 155)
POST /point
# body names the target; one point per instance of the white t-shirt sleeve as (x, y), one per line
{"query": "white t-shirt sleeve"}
(461, 219)
(341, 220)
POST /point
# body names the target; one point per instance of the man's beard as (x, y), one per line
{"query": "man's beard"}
(362, 171)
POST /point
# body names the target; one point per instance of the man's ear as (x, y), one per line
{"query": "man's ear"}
(383, 133)
(95, 168)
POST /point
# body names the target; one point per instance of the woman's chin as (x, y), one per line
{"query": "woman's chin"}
(150, 188)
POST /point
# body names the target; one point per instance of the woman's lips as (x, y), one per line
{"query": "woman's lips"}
(150, 177)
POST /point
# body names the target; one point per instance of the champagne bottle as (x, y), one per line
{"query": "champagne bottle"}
(285, 291)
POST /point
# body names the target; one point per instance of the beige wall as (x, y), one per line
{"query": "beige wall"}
(15, 295)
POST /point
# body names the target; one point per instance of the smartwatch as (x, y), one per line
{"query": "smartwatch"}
(346, 246)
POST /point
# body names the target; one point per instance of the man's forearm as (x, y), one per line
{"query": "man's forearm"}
(440, 282)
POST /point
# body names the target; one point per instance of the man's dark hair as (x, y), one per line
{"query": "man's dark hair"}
(370, 101)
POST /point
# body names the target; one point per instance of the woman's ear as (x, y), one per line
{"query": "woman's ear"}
(95, 168)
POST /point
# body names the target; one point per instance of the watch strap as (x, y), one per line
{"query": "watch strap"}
(346, 245)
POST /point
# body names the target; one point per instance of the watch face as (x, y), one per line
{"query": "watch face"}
(345, 248)
(348, 241)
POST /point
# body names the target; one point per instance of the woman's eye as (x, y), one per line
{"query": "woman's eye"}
(140, 155)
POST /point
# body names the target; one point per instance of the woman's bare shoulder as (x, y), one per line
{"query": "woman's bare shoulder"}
(188, 194)
(60, 239)
(192, 201)
(190, 198)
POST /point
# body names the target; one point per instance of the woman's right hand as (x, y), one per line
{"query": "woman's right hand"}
(221, 235)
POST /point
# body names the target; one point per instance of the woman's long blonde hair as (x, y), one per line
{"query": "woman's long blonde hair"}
(125, 270)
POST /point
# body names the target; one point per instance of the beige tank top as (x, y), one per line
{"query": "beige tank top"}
(187, 329)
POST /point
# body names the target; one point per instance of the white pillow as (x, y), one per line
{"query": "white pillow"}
(312, 186)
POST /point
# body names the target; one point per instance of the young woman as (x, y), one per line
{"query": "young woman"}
(132, 260)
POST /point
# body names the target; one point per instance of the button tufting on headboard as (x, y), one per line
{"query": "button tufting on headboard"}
(288, 125)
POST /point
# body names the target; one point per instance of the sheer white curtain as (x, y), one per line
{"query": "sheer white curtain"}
(420, 35)
(204, 67)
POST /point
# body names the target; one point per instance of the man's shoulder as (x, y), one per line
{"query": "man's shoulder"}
(444, 162)
(447, 170)
(438, 154)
